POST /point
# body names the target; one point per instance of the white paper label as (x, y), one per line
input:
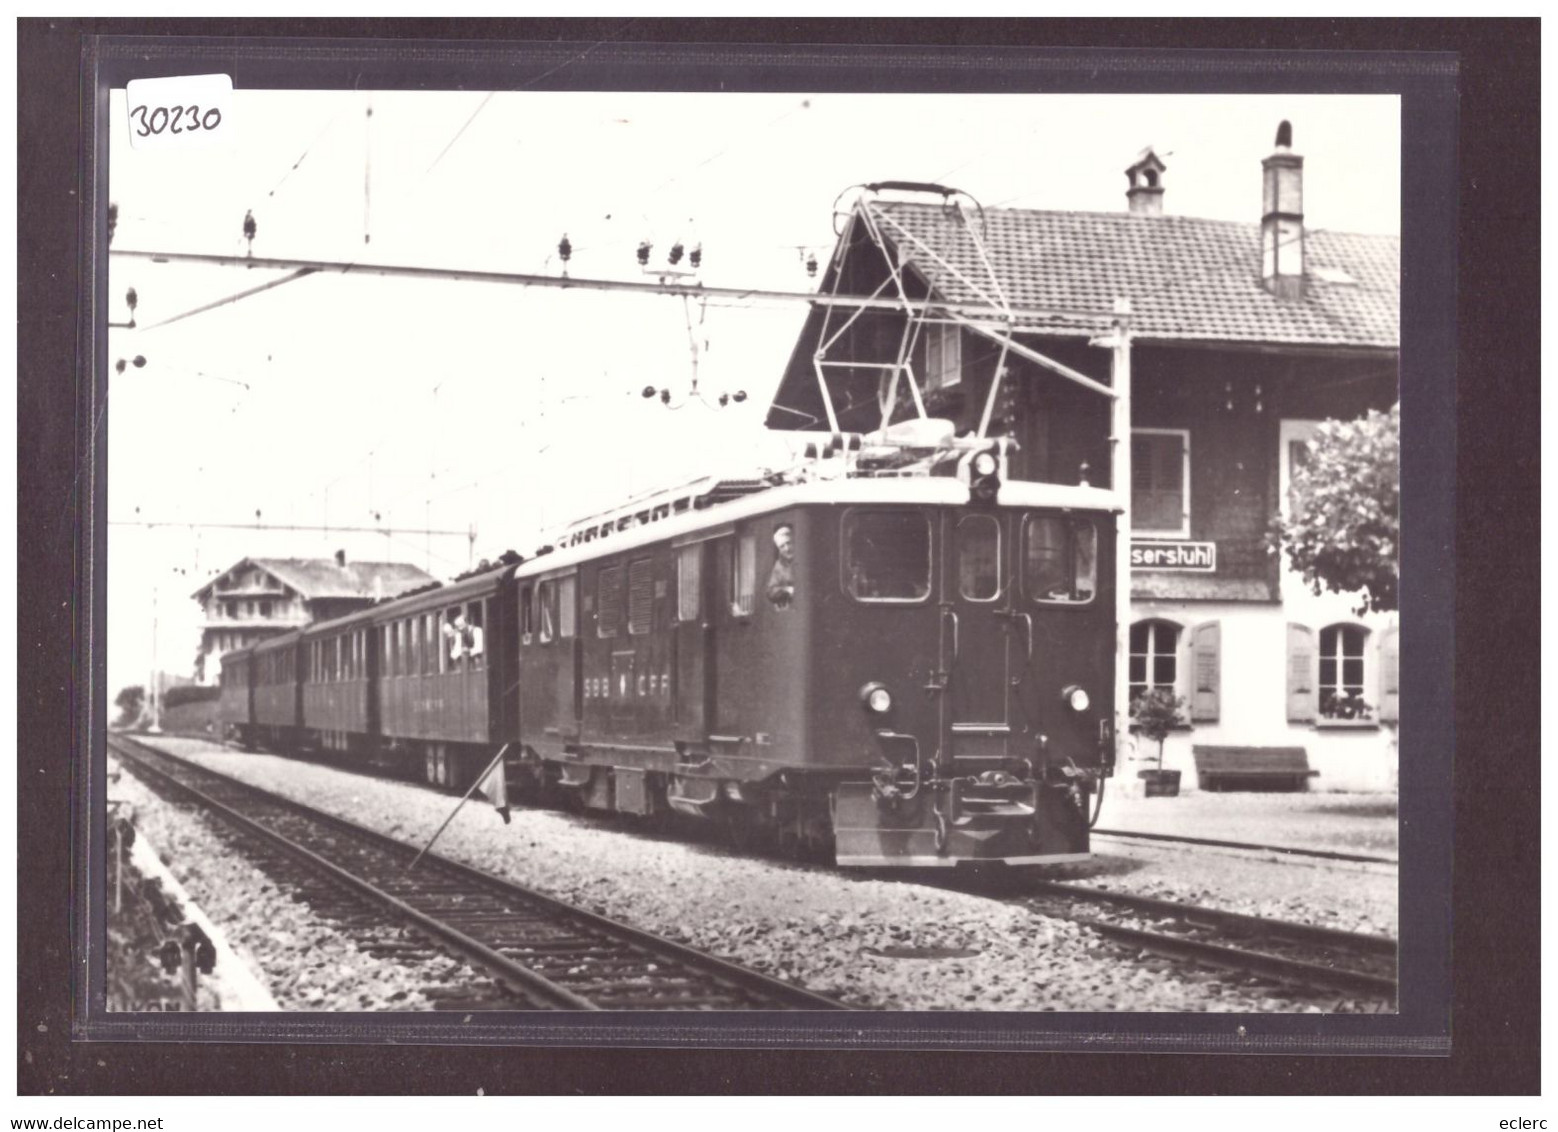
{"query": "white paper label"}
(184, 112)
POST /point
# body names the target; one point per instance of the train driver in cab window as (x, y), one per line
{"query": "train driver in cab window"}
(781, 579)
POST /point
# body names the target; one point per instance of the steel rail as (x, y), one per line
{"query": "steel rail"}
(1241, 922)
(733, 974)
(516, 976)
(1324, 854)
(1263, 963)
(1255, 962)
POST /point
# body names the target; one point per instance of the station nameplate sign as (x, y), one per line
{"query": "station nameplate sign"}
(1196, 556)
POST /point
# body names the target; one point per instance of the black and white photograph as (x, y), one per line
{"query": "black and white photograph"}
(643, 551)
(810, 558)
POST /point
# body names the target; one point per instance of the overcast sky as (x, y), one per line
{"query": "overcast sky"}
(403, 405)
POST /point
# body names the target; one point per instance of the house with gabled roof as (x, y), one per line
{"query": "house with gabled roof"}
(256, 598)
(1228, 342)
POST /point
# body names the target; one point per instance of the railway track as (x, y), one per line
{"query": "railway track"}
(1301, 956)
(1214, 843)
(532, 951)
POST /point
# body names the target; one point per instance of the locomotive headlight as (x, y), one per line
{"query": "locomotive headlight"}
(1076, 698)
(984, 477)
(876, 698)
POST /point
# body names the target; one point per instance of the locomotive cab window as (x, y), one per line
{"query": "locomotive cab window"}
(979, 557)
(528, 615)
(543, 621)
(689, 580)
(742, 553)
(1060, 559)
(781, 576)
(567, 612)
(886, 556)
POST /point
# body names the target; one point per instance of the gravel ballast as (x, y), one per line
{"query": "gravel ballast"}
(1345, 896)
(304, 962)
(867, 941)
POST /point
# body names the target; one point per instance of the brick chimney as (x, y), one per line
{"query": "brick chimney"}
(1145, 175)
(1282, 219)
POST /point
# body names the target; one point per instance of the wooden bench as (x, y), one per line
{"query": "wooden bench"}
(1252, 768)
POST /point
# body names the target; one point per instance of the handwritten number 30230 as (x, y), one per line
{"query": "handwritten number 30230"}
(175, 120)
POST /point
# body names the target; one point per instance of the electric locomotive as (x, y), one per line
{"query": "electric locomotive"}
(889, 668)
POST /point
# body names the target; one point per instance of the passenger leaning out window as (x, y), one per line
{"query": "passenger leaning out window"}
(464, 639)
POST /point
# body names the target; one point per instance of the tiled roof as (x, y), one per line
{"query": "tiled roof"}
(316, 578)
(1187, 279)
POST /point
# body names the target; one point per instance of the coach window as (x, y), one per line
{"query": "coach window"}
(1060, 559)
(979, 557)
(887, 555)
(567, 613)
(609, 601)
(474, 617)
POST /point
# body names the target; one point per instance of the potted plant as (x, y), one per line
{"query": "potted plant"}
(1156, 712)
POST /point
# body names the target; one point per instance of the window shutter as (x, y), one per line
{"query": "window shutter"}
(1301, 674)
(1206, 671)
(1390, 676)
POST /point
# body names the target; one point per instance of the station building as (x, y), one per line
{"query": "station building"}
(1243, 338)
(256, 598)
